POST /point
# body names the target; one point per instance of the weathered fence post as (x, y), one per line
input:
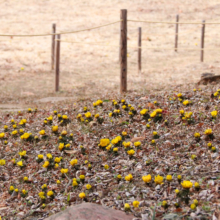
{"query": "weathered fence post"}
(177, 32)
(57, 71)
(139, 50)
(123, 51)
(202, 41)
(53, 46)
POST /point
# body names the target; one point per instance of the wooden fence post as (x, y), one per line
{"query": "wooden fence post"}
(139, 50)
(177, 32)
(202, 41)
(53, 46)
(57, 72)
(123, 51)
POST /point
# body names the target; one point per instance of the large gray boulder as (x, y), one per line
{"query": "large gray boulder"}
(90, 211)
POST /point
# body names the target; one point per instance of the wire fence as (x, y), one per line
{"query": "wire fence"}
(124, 45)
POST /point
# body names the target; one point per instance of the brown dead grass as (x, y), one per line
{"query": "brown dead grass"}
(88, 70)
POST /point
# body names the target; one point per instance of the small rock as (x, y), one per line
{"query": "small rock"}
(157, 187)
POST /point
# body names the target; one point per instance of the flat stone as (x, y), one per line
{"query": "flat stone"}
(90, 211)
(53, 99)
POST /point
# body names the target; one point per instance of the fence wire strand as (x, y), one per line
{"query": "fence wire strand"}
(51, 34)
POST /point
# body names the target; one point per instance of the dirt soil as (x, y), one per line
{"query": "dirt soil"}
(89, 70)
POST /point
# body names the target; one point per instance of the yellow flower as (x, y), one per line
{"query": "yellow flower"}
(179, 95)
(126, 206)
(144, 111)
(82, 177)
(41, 195)
(64, 171)
(110, 114)
(61, 146)
(119, 176)
(186, 184)
(154, 133)
(126, 145)
(193, 206)
(153, 141)
(164, 204)
(42, 132)
(24, 191)
(209, 144)
(169, 178)
(115, 149)
(88, 115)
(73, 162)
(179, 177)
(216, 94)
(11, 188)
(137, 143)
(25, 178)
(104, 142)
(158, 179)
(147, 178)
(78, 116)
(186, 102)
(65, 117)
(97, 115)
(196, 185)
(124, 133)
(193, 156)
(58, 181)
(40, 156)
(16, 190)
(131, 152)
(75, 183)
(56, 165)
(208, 131)
(195, 201)
(88, 186)
(177, 191)
(55, 128)
(136, 204)
(214, 114)
(20, 163)
(5, 127)
(82, 195)
(148, 126)
(197, 135)
(14, 126)
(64, 133)
(44, 186)
(106, 166)
(14, 132)
(2, 135)
(50, 118)
(46, 164)
(12, 120)
(50, 193)
(23, 153)
(129, 177)
(49, 156)
(2, 162)
(57, 159)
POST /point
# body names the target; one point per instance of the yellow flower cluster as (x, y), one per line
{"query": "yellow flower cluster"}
(104, 142)
(2, 162)
(116, 140)
(214, 114)
(64, 171)
(88, 115)
(147, 178)
(144, 111)
(73, 162)
(25, 136)
(208, 131)
(197, 135)
(126, 144)
(158, 179)
(155, 112)
(129, 177)
(98, 102)
(186, 102)
(186, 184)
(2, 135)
(137, 144)
(131, 152)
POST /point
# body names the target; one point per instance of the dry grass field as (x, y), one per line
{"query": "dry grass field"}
(88, 70)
